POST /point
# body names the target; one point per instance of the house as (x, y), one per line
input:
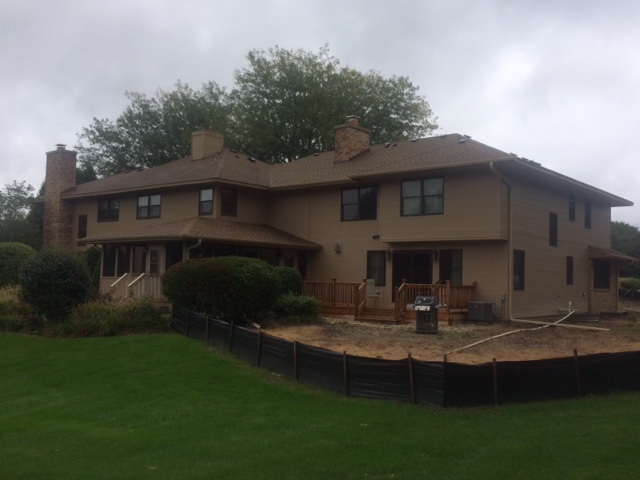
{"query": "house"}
(443, 210)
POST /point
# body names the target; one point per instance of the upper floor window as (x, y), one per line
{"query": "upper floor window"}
(108, 209)
(553, 229)
(587, 213)
(423, 196)
(359, 204)
(82, 226)
(229, 202)
(149, 206)
(572, 207)
(206, 202)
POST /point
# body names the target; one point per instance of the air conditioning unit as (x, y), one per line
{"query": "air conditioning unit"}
(480, 312)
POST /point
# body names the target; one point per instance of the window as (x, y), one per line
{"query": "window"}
(154, 261)
(377, 266)
(553, 229)
(82, 226)
(572, 207)
(108, 209)
(569, 270)
(423, 197)
(587, 213)
(229, 202)
(149, 206)
(451, 266)
(109, 260)
(601, 274)
(206, 202)
(359, 204)
(518, 269)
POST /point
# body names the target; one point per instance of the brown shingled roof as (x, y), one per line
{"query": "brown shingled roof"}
(444, 151)
(207, 229)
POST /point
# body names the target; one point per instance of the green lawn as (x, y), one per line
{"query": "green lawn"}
(163, 406)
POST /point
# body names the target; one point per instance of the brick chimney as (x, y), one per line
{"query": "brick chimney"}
(351, 140)
(205, 143)
(58, 214)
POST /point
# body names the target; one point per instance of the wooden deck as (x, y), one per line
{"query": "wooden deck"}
(348, 298)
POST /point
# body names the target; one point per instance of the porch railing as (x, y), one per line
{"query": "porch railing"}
(137, 285)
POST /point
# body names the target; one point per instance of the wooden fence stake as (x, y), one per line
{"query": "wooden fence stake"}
(495, 382)
(412, 380)
(577, 367)
(230, 336)
(345, 372)
(259, 349)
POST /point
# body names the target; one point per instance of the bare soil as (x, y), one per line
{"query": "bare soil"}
(528, 343)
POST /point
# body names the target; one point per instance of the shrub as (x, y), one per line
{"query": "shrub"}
(291, 308)
(12, 257)
(230, 288)
(630, 283)
(105, 319)
(54, 282)
(15, 314)
(291, 280)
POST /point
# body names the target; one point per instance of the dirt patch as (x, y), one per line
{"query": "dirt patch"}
(397, 341)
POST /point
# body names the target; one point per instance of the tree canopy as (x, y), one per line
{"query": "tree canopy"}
(625, 238)
(284, 105)
(16, 224)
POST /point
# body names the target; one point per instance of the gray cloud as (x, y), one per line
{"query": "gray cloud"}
(556, 82)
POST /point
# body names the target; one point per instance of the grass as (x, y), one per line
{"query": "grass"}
(164, 407)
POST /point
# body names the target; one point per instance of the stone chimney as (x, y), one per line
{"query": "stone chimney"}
(205, 143)
(58, 214)
(351, 140)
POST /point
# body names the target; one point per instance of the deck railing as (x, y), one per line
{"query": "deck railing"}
(453, 298)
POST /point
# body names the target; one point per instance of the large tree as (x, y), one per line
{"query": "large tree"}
(16, 199)
(625, 238)
(284, 105)
(151, 131)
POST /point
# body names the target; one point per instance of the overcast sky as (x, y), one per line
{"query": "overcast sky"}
(554, 81)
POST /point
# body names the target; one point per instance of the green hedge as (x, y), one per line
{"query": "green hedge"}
(12, 257)
(230, 288)
(54, 282)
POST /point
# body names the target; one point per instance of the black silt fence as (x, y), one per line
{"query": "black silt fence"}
(408, 380)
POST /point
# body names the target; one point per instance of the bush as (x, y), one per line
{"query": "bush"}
(296, 309)
(230, 288)
(630, 283)
(54, 282)
(12, 257)
(106, 319)
(15, 314)
(291, 280)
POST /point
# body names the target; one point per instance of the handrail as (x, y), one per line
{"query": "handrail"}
(119, 280)
(136, 280)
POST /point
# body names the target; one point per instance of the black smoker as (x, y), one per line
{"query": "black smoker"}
(426, 309)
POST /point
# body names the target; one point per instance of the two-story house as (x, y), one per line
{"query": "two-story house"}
(440, 209)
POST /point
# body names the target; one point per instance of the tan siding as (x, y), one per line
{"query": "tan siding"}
(545, 281)
(474, 209)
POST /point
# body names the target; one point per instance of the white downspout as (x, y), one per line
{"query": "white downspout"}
(509, 240)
